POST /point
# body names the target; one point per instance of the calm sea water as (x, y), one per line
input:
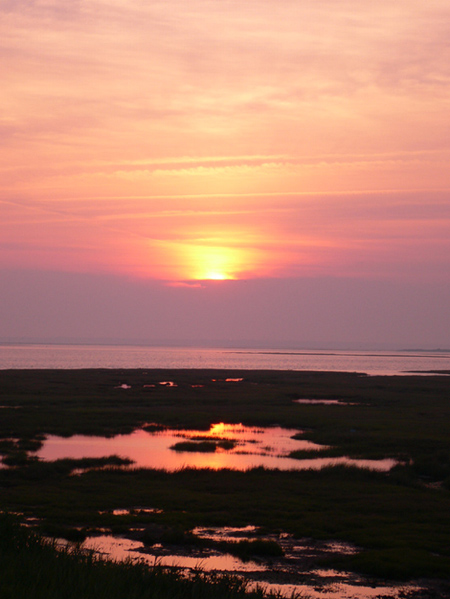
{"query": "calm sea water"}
(118, 356)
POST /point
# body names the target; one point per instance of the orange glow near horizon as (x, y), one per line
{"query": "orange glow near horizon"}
(212, 263)
(217, 276)
(180, 155)
(216, 264)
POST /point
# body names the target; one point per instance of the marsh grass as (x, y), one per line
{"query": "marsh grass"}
(203, 446)
(245, 549)
(195, 446)
(399, 563)
(31, 566)
(251, 548)
(407, 418)
(361, 507)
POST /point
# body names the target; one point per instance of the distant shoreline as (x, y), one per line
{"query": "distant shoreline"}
(75, 357)
(217, 347)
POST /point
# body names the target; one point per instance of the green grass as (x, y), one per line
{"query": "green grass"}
(33, 567)
(361, 507)
(248, 549)
(401, 519)
(206, 446)
(195, 446)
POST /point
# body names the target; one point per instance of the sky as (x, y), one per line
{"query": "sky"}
(217, 172)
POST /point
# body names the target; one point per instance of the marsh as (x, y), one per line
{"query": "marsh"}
(397, 519)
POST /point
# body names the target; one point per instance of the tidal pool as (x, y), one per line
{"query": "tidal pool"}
(121, 549)
(317, 584)
(334, 590)
(325, 402)
(252, 447)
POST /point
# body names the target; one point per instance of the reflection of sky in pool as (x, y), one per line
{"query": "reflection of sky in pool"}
(329, 584)
(325, 402)
(121, 549)
(268, 447)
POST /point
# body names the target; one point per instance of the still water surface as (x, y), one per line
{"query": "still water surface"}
(254, 447)
(324, 584)
(120, 356)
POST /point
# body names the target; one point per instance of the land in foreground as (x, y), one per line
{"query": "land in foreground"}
(398, 522)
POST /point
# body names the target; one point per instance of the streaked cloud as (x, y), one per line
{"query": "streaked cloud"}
(311, 137)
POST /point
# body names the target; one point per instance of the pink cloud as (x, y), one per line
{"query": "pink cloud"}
(311, 137)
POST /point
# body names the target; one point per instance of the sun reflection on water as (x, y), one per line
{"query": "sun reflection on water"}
(251, 447)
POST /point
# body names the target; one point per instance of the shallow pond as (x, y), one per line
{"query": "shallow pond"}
(325, 402)
(122, 549)
(317, 584)
(252, 447)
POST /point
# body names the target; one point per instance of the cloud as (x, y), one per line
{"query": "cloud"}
(311, 135)
(396, 234)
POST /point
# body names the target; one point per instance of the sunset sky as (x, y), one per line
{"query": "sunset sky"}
(271, 172)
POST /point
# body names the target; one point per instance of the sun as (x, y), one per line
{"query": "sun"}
(217, 276)
(216, 263)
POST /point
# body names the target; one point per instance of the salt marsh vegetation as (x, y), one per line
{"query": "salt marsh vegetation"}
(398, 520)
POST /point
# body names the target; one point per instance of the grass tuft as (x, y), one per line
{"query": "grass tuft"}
(34, 567)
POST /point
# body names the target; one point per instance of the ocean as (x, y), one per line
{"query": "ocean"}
(128, 356)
